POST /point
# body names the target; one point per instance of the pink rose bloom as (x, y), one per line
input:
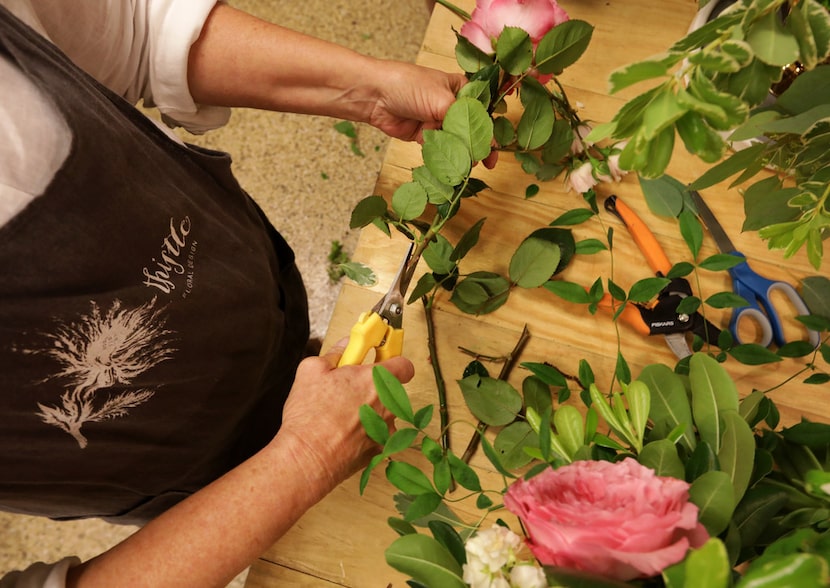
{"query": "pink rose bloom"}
(617, 520)
(535, 17)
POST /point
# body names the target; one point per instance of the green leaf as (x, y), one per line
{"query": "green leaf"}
(423, 417)
(737, 452)
(713, 392)
(438, 255)
(713, 494)
(570, 428)
(467, 119)
(408, 478)
(467, 241)
(590, 246)
(575, 216)
(366, 211)
(514, 50)
(437, 192)
(771, 42)
(426, 560)
(463, 473)
(670, 406)
(534, 262)
(478, 90)
(562, 46)
(480, 293)
(661, 456)
(409, 200)
(815, 290)
(721, 261)
(569, 291)
(691, 230)
(547, 374)
(726, 300)
(646, 289)
(503, 131)
(469, 57)
(707, 566)
(664, 195)
(510, 443)
(753, 354)
(364, 477)
(446, 156)
(737, 162)
(447, 536)
(399, 441)
(536, 122)
(634, 73)
(376, 428)
(805, 570)
(492, 401)
(392, 394)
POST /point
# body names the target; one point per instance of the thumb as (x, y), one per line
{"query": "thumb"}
(332, 356)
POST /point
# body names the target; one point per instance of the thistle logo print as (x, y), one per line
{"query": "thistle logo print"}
(98, 351)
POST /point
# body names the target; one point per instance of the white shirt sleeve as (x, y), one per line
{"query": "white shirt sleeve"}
(40, 575)
(137, 48)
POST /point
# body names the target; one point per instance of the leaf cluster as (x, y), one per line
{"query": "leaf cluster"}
(715, 91)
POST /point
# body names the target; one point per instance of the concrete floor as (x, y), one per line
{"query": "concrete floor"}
(307, 179)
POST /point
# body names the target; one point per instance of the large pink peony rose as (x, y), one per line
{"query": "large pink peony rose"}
(617, 520)
(535, 17)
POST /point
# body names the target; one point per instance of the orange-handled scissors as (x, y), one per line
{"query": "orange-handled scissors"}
(753, 288)
(381, 328)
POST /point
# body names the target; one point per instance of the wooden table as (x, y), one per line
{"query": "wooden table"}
(341, 541)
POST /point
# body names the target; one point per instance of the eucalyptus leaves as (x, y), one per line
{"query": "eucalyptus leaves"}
(716, 84)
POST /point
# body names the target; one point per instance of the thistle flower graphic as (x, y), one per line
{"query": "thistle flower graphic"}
(98, 351)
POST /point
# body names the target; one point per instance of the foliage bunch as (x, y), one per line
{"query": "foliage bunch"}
(763, 491)
(716, 90)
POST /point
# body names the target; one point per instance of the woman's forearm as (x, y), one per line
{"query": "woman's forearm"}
(240, 60)
(213, 535)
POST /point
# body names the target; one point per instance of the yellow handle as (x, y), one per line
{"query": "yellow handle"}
(368, 332)
(392, 346)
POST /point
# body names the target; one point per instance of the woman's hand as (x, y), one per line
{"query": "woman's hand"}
(322, 415)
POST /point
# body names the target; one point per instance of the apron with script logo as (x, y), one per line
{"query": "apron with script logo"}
(151, 319)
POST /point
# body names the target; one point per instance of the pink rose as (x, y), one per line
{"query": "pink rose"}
(617, 520)
(535, 17)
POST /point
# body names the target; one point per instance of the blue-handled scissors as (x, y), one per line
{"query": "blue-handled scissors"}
(753, 288)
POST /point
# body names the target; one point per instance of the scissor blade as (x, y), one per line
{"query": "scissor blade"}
(715, 229)
(390, 307)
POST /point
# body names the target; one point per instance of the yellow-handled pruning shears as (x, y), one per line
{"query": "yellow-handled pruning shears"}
(381, 328)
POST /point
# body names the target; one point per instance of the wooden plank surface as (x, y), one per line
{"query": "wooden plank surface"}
(341, 541)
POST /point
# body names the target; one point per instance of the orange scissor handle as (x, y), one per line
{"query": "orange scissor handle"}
(642, 235)
(629, 315)
(371, 332)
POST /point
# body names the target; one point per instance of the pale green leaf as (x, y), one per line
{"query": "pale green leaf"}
(492, 401)
(661, 456)
(737, 452)
(536, 123)
(409, 200)
(534, 262)
(468, 120)
(514, 50)
(446, 156)
(670, 406)
(425, 560)
(713, 494)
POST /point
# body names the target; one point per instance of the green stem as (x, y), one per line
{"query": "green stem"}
(454, 9)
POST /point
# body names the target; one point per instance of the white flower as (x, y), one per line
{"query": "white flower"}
(493, 547)
(614, 163)
(528, 576)
(499, 582)
(582, 178)
(579, 143)
(477, 574)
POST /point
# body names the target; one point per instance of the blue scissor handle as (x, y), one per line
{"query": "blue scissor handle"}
(754, 288)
